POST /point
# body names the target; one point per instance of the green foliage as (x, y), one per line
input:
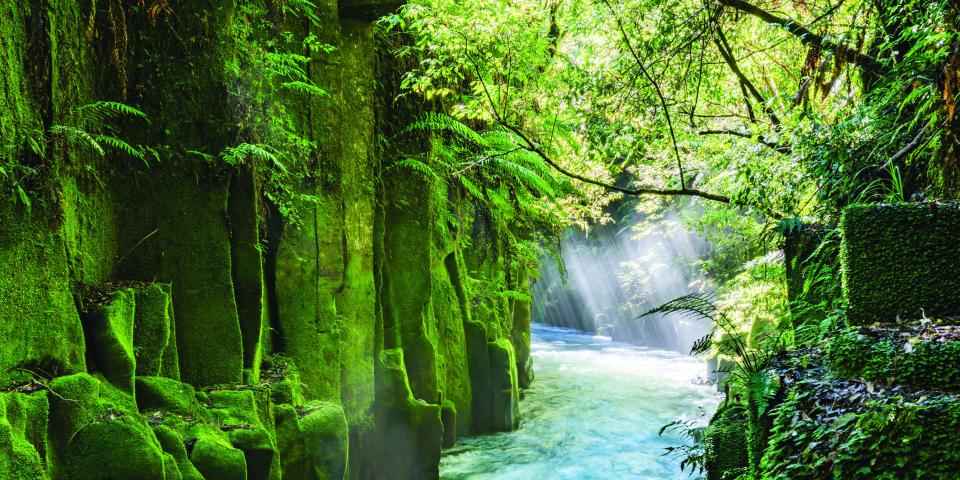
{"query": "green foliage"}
(897, 357)
(270, 84)
(886, 436)
(92, 130)
(750, 380)
(900, 261)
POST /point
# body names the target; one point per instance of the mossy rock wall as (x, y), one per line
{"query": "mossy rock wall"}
(898, 259)
(168, 313)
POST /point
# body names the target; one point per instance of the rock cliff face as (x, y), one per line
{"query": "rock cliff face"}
(167, 319)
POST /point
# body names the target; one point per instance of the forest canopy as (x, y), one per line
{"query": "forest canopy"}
(787, 110)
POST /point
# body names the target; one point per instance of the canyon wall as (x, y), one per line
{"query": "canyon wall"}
(166, 318)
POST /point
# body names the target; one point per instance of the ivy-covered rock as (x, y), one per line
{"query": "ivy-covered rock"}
(852, 430)
(725, 442)
(900, 261)
(923, 357)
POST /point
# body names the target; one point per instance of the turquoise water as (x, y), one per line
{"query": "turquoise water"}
(593, 412)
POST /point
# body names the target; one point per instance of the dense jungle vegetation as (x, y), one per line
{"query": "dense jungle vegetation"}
(773, 117)
(411, 166)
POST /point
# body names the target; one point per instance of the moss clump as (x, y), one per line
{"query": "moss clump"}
(109, 330)
(282, 378)
(448, 417)
(506, 393)
(160, 393)
(897, 356)
(899, 259)
(213, 456)
(172, 444)
(725, 440)
(238, 414)
(23, 434)
(154, 335)
(313, 441)
(411, 430)
(95, 432)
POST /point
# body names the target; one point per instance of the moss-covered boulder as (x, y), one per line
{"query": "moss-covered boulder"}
(166, 394)
(109, 331)
(919, 356)
(213, 455)
(481, 381)
(448, 417)
(238, 414)
(23, 435)
(96, 432)
(173, 446)
(313, 440)
(725, 441)
(410, 429)
(506, 393)
(900, 261)
(154, 332)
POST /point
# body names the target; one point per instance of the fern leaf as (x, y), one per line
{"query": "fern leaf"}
(305, 88)
(121, 146)
(417, 166)
(76, 135)
(103, 110)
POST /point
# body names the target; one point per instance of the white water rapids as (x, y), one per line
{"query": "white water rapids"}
(593, 412)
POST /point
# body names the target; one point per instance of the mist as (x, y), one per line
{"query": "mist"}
(616, 272)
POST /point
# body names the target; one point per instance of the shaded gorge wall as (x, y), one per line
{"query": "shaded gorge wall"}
(166, 319)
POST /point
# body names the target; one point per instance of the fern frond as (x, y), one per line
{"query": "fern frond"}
(76, 135)
(416, 166)
(121, 146)
(524, 176)
(205, 156)
(103, 110)
(437, 123)
(244, 152)
(696, 305)
(305, 88)
(471, 188)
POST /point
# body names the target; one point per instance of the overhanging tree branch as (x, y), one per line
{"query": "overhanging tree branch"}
(806, 36)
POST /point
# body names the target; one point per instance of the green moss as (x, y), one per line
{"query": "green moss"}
(890, 358)
(247, 264)
(481, 379)
(282, 377)
(239, 414)
(214, 457)
(506, 394)
(899, 259)
(35, 290)
(410, 429)
(172, 444)
(160, 393)
(109, 331)
(154, 333)
(725, 440)
(448, 417)
(23, 433)
(313, 440)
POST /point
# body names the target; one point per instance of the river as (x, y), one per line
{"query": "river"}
(593, 412)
